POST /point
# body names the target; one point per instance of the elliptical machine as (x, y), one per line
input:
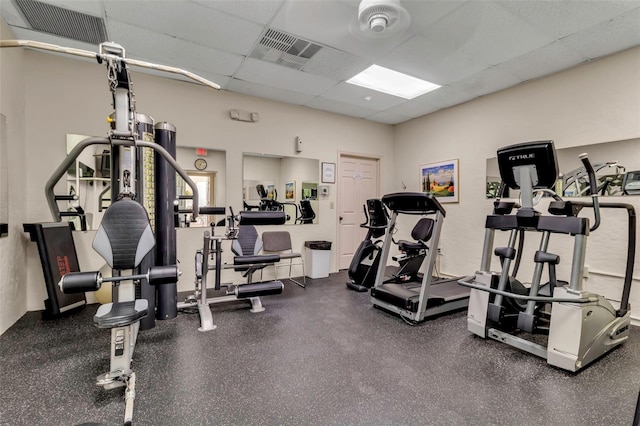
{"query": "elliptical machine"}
(364, 265)
(581, 326)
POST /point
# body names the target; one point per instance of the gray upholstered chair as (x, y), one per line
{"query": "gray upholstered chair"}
(280, 242)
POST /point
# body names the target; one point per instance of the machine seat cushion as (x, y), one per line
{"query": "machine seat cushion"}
(249, 260)
(124, 237)
(423, 229)
(120, 314)
(405, 245)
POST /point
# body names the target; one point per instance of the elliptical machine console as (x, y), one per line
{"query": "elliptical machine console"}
(581, 326)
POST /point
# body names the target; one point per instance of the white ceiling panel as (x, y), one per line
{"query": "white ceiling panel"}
(188, 21)
(27, 34)
(471, 47)
(356, 95)
(424, 58)
(91, 7)
(388, 117)
(447, 96)
(11, 15)
(335, 64)
(258, 11)
(281, 77)
(548, 59)
(144, 44)
(567, 16)
(340, 108)
(332, 20)
(432, 101)
(485, 82)
(281, 95)
(608, 37)
(486, 32)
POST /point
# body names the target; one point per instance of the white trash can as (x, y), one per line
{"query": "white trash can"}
(317, 258)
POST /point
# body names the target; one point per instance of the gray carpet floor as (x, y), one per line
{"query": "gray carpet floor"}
(317, 356)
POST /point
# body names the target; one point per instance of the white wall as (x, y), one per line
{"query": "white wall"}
(70, 96)
(13, 291)
(595, 102)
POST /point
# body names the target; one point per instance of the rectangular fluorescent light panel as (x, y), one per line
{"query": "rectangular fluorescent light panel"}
(392, 82)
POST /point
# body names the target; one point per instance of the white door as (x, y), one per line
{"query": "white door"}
(357, 182)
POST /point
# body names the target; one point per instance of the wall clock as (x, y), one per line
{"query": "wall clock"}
(200, 164)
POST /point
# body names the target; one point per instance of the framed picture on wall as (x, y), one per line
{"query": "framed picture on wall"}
(328, 172)
(441, 180)
(290, 191)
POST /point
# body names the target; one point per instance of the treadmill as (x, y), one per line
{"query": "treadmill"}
(417, 301)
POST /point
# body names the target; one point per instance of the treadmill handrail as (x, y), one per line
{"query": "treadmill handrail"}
(413, 203)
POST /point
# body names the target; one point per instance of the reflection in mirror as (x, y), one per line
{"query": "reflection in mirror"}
(89, 181)
(4, 178)
(209, 179)
(617, 166)
(281, 183)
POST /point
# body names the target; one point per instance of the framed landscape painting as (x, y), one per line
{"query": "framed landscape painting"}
(441, 180)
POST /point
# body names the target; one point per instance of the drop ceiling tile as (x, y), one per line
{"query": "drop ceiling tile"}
(331, 23)
(218, 79)
(258, 11)
(160, 48)
(488, 81)
(325, 104)
(486, 32)
(335, 64)
(261, 91)
(92, 7)
(426, 59)
(355, 95)
(561, 18)
(28, 34)
(388, 117)
(188, 21)
(12, 16)
(281, 77)
(546, 60)
(608, 37)
(433, 101)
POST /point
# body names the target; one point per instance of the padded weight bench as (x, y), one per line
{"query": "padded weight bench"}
(246, 244)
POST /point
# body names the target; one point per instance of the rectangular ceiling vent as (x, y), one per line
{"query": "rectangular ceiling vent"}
(284, 49)
(62, 22)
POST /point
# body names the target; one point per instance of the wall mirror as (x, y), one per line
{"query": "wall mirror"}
(207, 169)
(281, 183)
(617, 166)
(89, 180)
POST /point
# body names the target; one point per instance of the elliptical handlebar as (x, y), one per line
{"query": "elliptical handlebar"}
(593, 187)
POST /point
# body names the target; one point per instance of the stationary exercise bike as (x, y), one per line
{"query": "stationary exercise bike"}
(364, 265)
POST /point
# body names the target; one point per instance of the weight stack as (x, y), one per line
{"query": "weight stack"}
(165, 186)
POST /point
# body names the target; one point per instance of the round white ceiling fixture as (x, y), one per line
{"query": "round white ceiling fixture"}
(381, 18)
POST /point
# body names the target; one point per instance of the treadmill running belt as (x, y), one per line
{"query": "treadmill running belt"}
(407, 295)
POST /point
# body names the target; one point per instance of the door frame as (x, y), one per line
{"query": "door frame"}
(341, 154)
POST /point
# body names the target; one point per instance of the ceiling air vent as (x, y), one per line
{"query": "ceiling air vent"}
(284, 49)
(63, 22)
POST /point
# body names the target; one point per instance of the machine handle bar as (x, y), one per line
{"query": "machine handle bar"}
(467, 282)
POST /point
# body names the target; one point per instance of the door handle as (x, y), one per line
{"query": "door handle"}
(340, 218)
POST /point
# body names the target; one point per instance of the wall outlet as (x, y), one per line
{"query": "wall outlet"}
(585, 271)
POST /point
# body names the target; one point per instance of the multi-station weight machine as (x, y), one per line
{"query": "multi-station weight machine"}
(125, 238)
